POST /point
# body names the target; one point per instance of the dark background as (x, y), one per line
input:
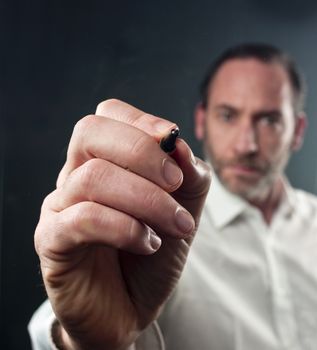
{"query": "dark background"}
(60, 58)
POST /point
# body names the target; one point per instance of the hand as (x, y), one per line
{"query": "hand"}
(114, 235)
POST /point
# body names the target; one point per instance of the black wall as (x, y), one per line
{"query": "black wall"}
(60, 58)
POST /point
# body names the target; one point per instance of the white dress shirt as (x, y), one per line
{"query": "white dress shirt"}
(246, 285)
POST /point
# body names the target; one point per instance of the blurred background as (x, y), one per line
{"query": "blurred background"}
(60, 58)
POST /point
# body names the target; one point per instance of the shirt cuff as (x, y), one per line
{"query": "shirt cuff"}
(40, 327)
(151, 338)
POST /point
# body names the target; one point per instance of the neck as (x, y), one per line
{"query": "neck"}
(271, 201)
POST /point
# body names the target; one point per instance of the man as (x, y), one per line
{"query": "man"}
(114, 236)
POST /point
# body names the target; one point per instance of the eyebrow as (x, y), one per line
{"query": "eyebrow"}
(271, 112)
(227, 107)
(260, 113)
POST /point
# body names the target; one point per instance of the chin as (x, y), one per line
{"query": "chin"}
(255, 191)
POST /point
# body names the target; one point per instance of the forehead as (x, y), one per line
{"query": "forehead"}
(250, 81)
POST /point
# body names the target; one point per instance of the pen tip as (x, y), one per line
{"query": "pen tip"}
(168, 142)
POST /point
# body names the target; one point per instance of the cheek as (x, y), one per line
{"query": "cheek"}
(277, 141)
(219, 141)
(273, 147)
(216, 145)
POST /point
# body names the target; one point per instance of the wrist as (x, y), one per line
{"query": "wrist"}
(60, 338)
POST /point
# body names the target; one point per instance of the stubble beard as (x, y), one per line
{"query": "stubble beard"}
(257, 191)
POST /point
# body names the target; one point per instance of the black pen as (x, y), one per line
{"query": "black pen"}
(168, 142)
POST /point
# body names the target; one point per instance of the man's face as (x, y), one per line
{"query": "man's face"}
(249, 125)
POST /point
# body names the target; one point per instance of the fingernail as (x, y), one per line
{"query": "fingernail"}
(184, 221)
(171, 172)
(155, 240)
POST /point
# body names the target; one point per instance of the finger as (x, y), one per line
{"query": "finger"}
(197, 173)
(105, 183)
(89, 223)
(197, 178)
(124, 145)
(124, 113)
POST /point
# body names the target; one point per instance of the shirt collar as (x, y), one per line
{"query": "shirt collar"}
(224, 206)
(288, 201)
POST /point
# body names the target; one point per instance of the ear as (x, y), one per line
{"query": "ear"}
(200, 118)
(299, 132)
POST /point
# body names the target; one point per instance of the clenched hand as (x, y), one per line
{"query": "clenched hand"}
(114, 235)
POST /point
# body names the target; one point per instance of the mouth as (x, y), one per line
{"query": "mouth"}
(246, 171)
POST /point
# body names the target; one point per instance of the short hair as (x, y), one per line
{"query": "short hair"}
(265, 53)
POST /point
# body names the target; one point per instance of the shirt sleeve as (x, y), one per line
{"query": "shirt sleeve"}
(41, 325)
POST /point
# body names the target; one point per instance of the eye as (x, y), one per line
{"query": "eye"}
(270, 119)
(226, 115)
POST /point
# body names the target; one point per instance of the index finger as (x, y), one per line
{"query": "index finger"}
(123, 112)
(119, 112)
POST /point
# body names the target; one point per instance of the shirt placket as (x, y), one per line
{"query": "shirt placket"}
(282, 305)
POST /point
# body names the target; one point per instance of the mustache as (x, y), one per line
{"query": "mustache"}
(253, 163)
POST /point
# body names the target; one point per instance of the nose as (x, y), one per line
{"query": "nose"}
(246, 140)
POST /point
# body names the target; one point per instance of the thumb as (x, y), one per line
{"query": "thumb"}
(197, 178)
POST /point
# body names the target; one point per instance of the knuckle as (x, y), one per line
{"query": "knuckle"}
(81, 129)
(38, 241)
(136, 236)
(141, 118)
(84, 124)
(47, 202)
(108, 104)
(131, 232)
(84, 217)
(151, 198)
(90, 173)
(134, 228)
(44, 236)
(139, 145)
